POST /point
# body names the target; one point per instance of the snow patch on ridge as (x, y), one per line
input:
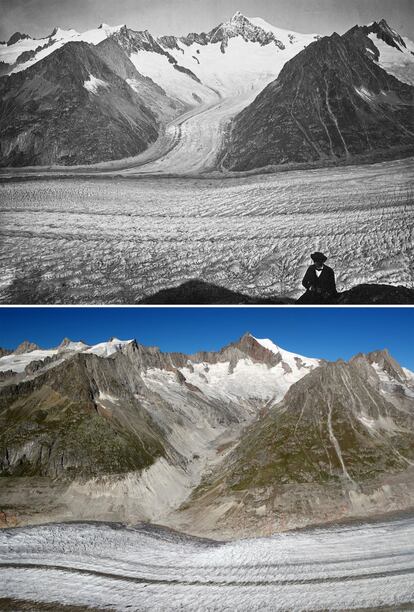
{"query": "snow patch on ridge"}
(17, 363)
(93, 84)
(107, 397)
(380, 423)
(105, 349)
(399, 63)
(367, 95)
(292, 359)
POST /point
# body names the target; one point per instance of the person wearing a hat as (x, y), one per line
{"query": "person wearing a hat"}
(319, 282)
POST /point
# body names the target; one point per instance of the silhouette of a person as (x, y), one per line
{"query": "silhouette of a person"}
(319, 282)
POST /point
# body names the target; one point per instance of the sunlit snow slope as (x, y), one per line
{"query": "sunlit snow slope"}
(235, 73)
(37, 49)
(16, 362)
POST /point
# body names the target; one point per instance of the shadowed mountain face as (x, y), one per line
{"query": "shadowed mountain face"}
(332, 101)
(75, 106)
(225, 442)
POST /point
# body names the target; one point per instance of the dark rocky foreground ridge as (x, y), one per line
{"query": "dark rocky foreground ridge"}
(247, 440)
(197, 291)
(332, 101)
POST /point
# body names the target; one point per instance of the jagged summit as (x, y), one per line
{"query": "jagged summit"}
(26, 347)
(14, 38)
(386, 33)
(331, 101)
(240, 25)
(250, 423)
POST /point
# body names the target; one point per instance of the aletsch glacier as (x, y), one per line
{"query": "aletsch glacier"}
(362, 566)
(181, 94)
(86, 241)
(224, 446)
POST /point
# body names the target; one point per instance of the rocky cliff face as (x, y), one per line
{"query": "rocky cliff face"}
(238, 25)
(334, 446)
(332, 101)
(62, 408)
(77, 106)
(247, 439)
(108, 92)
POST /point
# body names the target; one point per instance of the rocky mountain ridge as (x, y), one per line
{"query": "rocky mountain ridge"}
(128, 96)
(337, 97)
(85, 107)
(333, 100)
(155, 432)
(344, 433)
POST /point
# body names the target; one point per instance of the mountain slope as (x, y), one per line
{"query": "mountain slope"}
(250, 439)
(72, 108)
(332, 101)
(22, 51)
(148, 422)
(343, 434)
(156, 81)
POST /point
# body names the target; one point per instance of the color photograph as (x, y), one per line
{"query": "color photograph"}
(207, 459)
(206, 305)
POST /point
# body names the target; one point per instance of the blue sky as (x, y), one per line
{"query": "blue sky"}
(329, 333)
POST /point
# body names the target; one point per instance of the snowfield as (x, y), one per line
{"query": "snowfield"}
(18, 362)
(358, 566)
(117, 240)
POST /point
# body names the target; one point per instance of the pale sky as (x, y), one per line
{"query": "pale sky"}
(38, 17)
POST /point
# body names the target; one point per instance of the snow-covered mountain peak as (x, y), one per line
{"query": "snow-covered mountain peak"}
(384, 31)
(293, 360)
(28, 352)
(111, 29)
(61, 33)
(69, 345)
(105, 349)
(393, 52)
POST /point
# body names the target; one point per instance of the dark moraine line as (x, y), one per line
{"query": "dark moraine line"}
(88, 572)
(27, 605)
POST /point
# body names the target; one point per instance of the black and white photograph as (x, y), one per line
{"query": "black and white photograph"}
(188, 152)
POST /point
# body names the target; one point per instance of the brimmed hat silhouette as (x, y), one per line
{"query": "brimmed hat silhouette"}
(318, 257)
